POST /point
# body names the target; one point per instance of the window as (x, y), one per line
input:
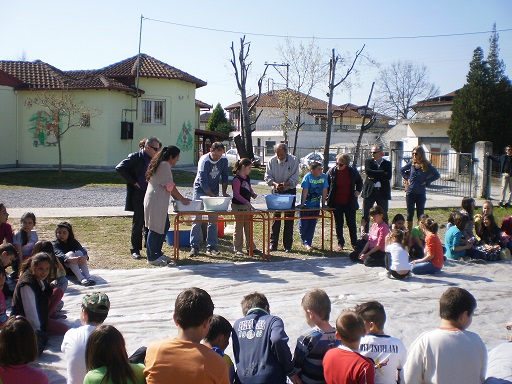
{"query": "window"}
(85, 120)
(153, 112)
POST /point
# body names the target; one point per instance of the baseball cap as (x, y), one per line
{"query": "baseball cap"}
(97, 302)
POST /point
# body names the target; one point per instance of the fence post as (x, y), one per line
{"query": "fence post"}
(483, 171)
(397, 148)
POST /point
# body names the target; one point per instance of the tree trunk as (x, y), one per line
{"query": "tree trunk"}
(332, 74)
(363, 129)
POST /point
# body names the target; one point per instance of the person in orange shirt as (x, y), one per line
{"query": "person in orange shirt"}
(434, 253)
(184, 358)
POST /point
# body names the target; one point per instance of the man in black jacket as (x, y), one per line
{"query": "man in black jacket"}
(506, 173)
(133, 170)
(376, 187)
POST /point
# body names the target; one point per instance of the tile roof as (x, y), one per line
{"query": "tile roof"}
(149, 67)
(273, 99)
(202, 104)
(119, 76)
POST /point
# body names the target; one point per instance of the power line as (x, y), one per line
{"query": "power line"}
(329, 38)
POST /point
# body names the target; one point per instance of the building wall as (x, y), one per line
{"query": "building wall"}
(8, 99)
(100, 145)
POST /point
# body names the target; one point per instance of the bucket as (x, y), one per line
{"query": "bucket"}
(184, 237)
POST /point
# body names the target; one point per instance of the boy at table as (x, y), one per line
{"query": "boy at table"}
(314, 191)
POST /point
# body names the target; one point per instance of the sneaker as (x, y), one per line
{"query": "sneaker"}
(160, 262)
(193, 252)
(273, 247)
(212, 252)
(288, 250)
(136, 256)
(172, 263)
(255, 251)
(501, 204)
(167, 258)
(239, 253)
(508, 204)
(87, 282)
(308, 248)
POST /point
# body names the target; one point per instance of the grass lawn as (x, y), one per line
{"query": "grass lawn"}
(107, 240)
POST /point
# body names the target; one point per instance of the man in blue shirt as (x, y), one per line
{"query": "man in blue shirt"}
(211, 168)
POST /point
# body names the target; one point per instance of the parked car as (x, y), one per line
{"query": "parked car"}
(317, 157)
(232, 156)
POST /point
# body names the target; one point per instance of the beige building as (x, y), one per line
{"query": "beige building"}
(164, 106)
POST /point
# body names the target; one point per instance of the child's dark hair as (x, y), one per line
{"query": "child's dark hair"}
(423, 217)
(106, 347)
(468, 205)
(219, 326)
(245, 162)
(18, 342)
(376, 210)
(454, 302)
(71, 236)
(193, 307)
(350, 326)
(431, 225)
(488, 233)
(314, 165)
(460, 220)
(399, 236)
(398, 217)
(163, 154)
(47, 247)
(254, 300)
(372, 312)
(41, 257)
(94, 317)
(25, 216)
(9, 249)
(317, 301)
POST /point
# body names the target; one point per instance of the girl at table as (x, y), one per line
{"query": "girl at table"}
(242, 194)
(156, 202)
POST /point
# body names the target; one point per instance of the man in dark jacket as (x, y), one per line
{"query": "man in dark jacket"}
(506, 173)
(345, 184)
(133, 170)
(376, 187)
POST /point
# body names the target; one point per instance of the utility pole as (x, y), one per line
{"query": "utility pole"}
(286, 78)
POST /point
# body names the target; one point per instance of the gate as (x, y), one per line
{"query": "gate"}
(457, 172)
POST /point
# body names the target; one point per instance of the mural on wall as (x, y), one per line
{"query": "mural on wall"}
(185, 141)
(44, 128)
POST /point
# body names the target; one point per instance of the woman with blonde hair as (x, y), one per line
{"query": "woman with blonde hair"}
(420, 174)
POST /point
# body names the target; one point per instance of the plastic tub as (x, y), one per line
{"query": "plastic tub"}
(278, 201)
(195, 205)
(216, 203)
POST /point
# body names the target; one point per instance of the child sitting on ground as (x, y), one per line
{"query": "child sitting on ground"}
(314, 344)
(417, 248)
(93, 312)
(18, 348)
(487, 208)
(489, 247)
(372, 255)
(8, 255)
(433, 260)
(453, 237)
(6, 232)
(57, 277)
(314, 194)
(398, 222)
(3, 303)
(344, 364)
(218, 340)
(36, 300)
(24, 240)
(397, 258)
(388, 353)
(71, 253)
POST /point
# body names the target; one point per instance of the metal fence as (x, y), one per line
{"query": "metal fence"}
(458, 172)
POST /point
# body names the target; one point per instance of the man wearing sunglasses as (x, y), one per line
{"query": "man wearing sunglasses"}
(133, 170)
(376, 187)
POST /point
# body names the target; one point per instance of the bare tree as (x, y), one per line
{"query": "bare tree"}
(334, 82)
(364, 127)
(306, 72)
(64, 112)
(401, 85)
(247, 121)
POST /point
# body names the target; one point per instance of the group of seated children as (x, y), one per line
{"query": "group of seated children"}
(477, 237)
(388, 248)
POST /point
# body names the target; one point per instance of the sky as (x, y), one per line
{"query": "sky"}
(92, 34)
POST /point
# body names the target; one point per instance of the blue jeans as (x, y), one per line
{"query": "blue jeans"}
(426, 268)
(412, 200)
(196, 233)
(156, 241)
(307, 227)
